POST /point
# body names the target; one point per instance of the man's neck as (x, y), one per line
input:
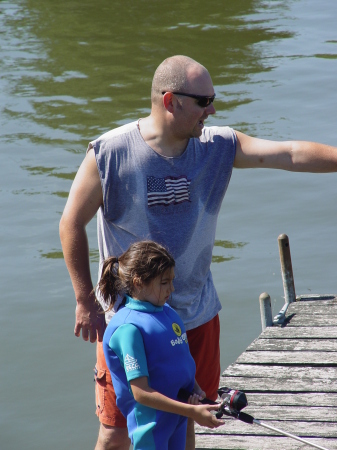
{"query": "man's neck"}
(160, 140)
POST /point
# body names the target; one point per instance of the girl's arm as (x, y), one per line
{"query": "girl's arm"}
(199, 413)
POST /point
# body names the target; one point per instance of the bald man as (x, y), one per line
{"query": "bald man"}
(163, 178)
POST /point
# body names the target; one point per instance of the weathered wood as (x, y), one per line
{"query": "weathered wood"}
(289, 358)
(293, 399)
(258, 443)
(303, 332)
(265, 311)
(286, 413)
(320, 320)
(279, 372)
(299, 428)
(286, 269)
(307, 308)
(283, 385)
(326, 345)
(311, 298)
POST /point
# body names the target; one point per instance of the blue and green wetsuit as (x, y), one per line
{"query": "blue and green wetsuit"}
(147, 340)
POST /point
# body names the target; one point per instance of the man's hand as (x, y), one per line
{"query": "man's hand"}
(89, 318)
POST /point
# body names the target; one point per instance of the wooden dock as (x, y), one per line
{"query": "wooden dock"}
(289, 374)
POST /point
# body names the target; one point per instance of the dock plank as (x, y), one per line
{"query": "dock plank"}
(320, 320)
(330, 300)
(282, 385)
(307, 308)
(303, 332)
(288, 372)
(294, 345)
(258, 443)
(303, 413)
(323, 399)
(314, 358)
(302, 429)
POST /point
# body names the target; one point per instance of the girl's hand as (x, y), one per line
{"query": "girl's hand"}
(205, 418)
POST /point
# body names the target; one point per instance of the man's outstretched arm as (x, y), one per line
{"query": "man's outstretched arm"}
(84, 200)
(296, 156)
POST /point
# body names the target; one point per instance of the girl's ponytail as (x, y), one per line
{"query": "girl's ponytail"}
(109, 283)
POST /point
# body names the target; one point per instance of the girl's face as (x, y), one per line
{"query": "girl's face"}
(158, 291)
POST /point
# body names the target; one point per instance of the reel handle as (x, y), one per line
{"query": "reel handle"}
(184, 394)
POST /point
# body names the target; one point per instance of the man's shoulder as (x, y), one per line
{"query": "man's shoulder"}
(115, 132)
(123, 129)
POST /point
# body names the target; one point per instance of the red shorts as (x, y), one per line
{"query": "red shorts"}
(204, 342)
(205, 349)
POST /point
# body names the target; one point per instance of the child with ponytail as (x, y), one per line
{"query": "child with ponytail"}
(146, 350)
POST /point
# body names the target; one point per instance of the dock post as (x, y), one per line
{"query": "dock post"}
(265, 310)
(286, 269)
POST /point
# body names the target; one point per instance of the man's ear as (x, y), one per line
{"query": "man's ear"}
(168, 101)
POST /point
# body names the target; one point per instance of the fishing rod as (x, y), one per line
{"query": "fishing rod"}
(232, 402)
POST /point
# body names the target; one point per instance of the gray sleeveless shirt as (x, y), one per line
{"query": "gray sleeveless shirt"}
(174, 201)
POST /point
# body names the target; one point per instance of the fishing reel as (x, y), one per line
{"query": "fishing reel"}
(232, 402)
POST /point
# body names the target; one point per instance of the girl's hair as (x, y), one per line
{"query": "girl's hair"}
(144, 260)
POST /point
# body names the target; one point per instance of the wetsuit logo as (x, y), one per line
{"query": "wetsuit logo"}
(176, 329)
(130, 363)
(180, 340)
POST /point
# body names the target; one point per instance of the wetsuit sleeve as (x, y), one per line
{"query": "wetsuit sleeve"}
(127, 342)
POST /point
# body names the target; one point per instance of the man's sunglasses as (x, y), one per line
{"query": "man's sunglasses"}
(202, 100)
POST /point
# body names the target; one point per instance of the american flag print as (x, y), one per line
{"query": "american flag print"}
(167, 191)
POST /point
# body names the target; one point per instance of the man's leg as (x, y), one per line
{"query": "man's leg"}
(113, 434)
(190, 435)
(204, 343)
(112, 438)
